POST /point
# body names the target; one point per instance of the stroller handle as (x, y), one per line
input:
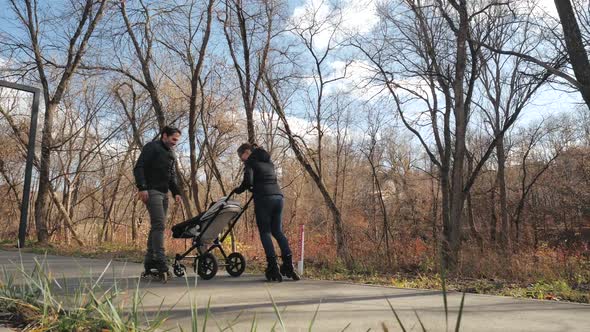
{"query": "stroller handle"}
(230, 195)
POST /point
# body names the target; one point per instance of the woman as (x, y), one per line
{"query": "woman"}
(260, 178)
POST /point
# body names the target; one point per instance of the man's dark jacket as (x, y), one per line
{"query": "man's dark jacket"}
(155, 170)
(259, 175)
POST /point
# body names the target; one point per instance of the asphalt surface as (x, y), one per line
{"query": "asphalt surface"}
(238, 302)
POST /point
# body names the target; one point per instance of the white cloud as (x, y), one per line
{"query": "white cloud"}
(357, 81)
(548, 6)
(360, 16)
(353, 17)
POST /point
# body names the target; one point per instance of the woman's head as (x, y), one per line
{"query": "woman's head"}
(245, 150)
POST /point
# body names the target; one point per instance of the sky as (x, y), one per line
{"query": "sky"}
(360, 16)
(549, 6)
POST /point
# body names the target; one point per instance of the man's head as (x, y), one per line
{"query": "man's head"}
(245, 150)
(170, 136)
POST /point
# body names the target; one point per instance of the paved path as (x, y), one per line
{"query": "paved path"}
(237, 301)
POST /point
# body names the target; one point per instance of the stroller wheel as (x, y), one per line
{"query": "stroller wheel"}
(179, 269)
(207, 266)
(236, 264)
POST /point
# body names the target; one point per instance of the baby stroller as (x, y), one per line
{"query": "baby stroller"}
(205, 230)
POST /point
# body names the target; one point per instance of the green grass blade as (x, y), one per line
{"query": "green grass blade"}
(102, 274)
(346, 327)
(444, 290)
(193, 304)
(457, 327)
(254, 324)
(420, 321)
(135, 306)
(315, 315)
(277, 311)
(219, 328)
(231, 324)
(401, 325)
(207, 314)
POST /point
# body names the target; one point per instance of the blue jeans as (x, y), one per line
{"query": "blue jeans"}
(269, 214)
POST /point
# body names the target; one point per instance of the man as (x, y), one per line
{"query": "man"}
(260, 178)
(154, 175)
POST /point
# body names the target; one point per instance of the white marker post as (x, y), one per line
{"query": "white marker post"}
(301, 248)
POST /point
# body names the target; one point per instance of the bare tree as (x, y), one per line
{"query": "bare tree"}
(248, 29)
(342, 121)
(85, 17)
(309, 31)
(183, 27)
(575, 45)
(143, 42)
(146, 28)
(315, 96)
(544, 142)
(374, 154)
(573, 19)
(279, 108)
(432, 83)
(508, 85)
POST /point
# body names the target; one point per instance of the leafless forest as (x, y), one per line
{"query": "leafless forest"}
(406, 132)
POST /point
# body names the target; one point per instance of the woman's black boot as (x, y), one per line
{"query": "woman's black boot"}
(272, 272)
(287, 269)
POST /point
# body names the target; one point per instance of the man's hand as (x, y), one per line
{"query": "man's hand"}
(178, 199)
(143, 196)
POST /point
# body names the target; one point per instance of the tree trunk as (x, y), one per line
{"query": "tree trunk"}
(493, 216)
(67, 201)
(45, 165)
(65, 215)
(575, 47)
(75, 52)
(336, 216)
(386, 233)
(435, 190)
(196, 90)
(471, 221)
(446, 245)
(457, 194)
(250, 125)
(501, 181)
(248, 78)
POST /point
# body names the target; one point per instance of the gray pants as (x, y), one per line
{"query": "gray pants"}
(157, 207)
